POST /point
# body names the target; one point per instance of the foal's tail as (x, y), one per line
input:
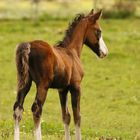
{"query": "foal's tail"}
(22, 63)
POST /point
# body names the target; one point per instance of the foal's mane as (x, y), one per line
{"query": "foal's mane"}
(69, 32)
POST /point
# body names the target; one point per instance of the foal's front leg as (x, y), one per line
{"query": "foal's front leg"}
(37, 109)
(75, 99)
(65, 113)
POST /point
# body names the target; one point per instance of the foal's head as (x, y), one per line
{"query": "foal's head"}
(93, 37)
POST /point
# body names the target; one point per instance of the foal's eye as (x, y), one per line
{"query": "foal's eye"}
(98, 33)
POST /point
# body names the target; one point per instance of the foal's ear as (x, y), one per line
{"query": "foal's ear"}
(91, 12)
(97, 15)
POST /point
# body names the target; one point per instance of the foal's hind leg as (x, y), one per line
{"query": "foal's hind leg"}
(75, 99)
(37, 109)
(18, 106)
(65, 112)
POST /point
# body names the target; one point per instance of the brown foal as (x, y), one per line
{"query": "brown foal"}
(57, 67)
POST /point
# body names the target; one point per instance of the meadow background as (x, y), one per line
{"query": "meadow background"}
(110, 102)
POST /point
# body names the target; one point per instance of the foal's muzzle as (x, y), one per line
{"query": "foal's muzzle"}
(102, 55)
(103, 51)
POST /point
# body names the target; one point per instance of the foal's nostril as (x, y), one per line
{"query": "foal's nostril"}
(102, 55)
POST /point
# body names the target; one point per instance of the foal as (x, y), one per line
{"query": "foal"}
(57, 67)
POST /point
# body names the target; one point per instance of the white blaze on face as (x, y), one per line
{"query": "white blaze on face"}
(103, 48)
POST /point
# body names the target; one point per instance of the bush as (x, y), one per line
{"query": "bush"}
(121, 9)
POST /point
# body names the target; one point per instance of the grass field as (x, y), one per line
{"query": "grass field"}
(110, 104)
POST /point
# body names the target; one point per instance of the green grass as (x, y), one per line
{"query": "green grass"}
(110, 102)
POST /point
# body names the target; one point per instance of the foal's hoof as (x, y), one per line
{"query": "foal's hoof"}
(18, 113)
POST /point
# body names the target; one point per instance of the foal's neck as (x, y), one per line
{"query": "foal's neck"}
(78, 38)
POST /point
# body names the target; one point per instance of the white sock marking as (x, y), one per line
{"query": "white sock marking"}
(38, 135)
(18, 115)
(103, 47)
(67, 132)
(16, 131)
(78, 132)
